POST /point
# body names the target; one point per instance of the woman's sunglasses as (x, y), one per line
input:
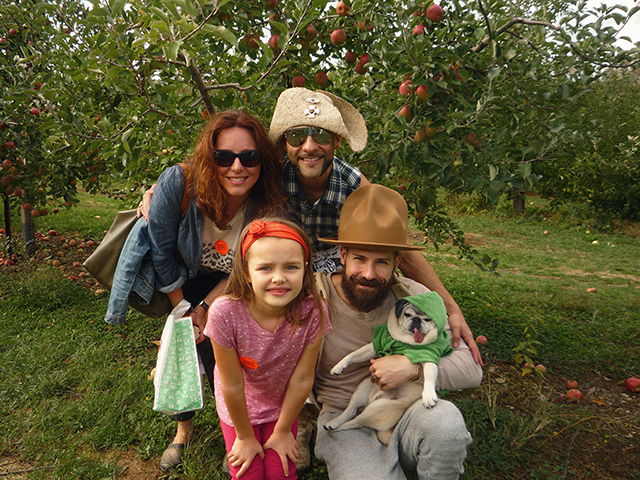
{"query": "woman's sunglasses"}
(297, 136)
(248, 158)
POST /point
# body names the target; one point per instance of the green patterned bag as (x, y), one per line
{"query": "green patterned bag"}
(178, 385)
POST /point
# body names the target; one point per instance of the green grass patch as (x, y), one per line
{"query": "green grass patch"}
(77, 404)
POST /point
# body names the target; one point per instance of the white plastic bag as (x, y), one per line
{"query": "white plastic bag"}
(177, 381)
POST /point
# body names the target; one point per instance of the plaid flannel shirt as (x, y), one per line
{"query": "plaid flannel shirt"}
(321, 218)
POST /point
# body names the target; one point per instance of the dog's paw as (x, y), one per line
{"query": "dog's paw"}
(339, 368)
(330, 426)
(429, 399)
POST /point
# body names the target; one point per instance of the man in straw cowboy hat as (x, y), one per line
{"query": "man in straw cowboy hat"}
(372, 237)
(310, 126)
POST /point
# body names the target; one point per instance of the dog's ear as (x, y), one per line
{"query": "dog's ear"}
(400, 304)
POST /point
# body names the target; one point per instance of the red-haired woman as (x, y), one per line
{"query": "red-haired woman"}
(234, 175)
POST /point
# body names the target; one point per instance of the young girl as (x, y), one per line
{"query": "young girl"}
(266, 331)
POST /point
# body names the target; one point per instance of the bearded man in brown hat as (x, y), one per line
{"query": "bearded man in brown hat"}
(372, 237)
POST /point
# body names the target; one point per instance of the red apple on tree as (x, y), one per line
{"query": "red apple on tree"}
(420, 136)
(434, 13)
(405, 112)
(419, 29)
(7, 164)
(422, 94)
(35, 111)
(12, 31)
(310, 33)
(338, 36)
(360, 67)
(273, 42)
(298, 81)
(321, 78)
(633, 384)
(10, 145)
(350, 57)
(27, 207)
(342, 9)
(405, 87)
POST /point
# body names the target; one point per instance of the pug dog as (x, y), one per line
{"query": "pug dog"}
(414, 329)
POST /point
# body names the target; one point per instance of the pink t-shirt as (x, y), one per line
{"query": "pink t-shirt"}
(268, 359)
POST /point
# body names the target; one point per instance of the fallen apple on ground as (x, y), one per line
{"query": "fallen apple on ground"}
(574, 395)
(633, 384)
(572, 384)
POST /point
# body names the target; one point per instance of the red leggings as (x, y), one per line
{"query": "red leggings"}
(271, 467)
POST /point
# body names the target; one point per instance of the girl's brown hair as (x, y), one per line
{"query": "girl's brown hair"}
(266, 195)
(239, 287)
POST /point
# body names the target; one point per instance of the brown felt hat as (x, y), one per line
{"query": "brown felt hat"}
(299, 106)
(373, 217)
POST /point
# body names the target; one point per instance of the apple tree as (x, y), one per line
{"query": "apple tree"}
(481, 87)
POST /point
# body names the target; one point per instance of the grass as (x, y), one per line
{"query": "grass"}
(77, 404)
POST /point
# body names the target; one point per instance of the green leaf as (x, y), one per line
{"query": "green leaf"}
(493, 172)
(172, 50)
(116, 7)
(493, 73)
(125, 138)
(160, 26)
(161, 15)
(220, 32)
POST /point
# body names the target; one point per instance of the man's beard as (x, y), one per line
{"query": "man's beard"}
(365, 300)
(326, 165)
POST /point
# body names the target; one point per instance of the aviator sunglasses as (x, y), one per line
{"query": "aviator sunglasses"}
(248, 158)
(297, 136)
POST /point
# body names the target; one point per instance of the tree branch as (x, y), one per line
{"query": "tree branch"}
(514, 21)
(486, 18)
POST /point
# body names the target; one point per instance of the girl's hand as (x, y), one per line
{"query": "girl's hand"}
(285, 446)
(243, 452)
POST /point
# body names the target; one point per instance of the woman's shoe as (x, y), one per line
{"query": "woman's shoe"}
(172, 456)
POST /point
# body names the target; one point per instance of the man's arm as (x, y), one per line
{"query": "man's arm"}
(414, 266)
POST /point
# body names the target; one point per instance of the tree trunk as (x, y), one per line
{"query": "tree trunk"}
(518, 201)
(7, 225)
(28, 232)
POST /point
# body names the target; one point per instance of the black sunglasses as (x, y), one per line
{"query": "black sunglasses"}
(248, 158)
(297, 136)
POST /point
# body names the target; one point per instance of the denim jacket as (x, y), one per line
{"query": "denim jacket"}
(161, 254)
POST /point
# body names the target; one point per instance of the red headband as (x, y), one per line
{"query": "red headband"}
(259, 229)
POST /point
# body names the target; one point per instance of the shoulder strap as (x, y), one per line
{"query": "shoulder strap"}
(322, 282)
(400, 289)
(186, 196)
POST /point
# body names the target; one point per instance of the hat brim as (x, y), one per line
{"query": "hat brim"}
(370, 245)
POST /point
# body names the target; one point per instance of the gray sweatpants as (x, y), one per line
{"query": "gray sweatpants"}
(430, 441)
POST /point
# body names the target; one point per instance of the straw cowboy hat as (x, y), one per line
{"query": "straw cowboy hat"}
(299, 106)
(373, 217)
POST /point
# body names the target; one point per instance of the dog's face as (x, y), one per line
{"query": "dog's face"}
(413, 327)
